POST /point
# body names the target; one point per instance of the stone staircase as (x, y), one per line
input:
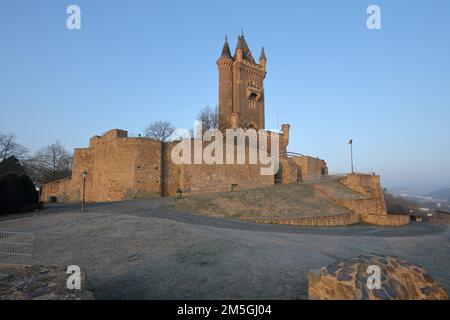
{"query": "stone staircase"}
(362, 194)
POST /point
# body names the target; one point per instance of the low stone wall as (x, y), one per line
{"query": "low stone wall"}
(369, 211)
(371, 206)
(369, 186)
(328, 221)
(386, 221)
(361, 206)
(62, 189)
(366, 184)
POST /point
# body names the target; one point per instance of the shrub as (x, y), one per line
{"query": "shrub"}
(29, 190)
(11, 193)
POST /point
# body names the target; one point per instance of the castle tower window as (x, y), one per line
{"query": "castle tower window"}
(253, 96)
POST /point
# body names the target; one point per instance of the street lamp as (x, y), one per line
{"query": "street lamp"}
(85, 175)
(351, 152)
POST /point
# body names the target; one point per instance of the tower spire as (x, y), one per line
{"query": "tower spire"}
(263, 55)
(240, 44)
(246, 53)
(226, 53)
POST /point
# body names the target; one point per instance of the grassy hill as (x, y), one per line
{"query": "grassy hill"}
(282, 201)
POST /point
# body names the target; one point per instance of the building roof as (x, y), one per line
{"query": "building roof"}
(226, 53)
(263, 55)
(246, 53)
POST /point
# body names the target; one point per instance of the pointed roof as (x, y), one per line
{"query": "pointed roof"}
(246, 53)
(226, 52)
(240, 44)
(263, 55)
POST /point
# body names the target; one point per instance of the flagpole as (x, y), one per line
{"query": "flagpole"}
(351, 153)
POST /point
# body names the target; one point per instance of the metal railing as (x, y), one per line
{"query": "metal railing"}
(16, 250)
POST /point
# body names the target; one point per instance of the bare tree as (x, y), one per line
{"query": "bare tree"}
(209, 117)
(51, 163)
(9, 147)
(159, 130)
(399, 205)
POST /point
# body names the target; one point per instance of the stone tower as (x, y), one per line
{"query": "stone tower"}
(241, 87)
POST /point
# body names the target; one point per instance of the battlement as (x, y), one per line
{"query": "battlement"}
(109, 135)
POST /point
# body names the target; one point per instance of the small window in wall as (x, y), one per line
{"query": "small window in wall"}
(234, 187)
(252, 104)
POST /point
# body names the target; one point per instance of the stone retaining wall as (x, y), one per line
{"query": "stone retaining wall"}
(386, 221)
(61, 188)
(369, 186)
(328, 221)
(361, 206)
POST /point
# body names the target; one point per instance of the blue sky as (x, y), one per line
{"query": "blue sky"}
(330, 77)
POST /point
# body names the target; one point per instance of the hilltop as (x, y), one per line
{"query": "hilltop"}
(442, 194)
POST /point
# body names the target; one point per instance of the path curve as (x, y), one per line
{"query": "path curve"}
(155, 209)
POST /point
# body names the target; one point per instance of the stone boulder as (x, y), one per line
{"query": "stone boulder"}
(347, 280)
(41, 283)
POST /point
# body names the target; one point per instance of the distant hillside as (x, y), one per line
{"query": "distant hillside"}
(442, 194)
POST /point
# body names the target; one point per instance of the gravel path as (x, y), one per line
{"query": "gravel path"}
(142, 250)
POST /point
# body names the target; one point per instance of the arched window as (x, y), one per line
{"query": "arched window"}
(253, 96)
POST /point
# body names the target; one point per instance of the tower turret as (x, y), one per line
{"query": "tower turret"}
(263, 59)
(226, 52)
(225, 64)
(239, 54)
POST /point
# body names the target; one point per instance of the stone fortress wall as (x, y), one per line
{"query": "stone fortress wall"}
(310, 168)
(120, 167)
(124, 168)
(372, 209)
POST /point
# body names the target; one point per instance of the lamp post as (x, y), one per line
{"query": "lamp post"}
(351, 152)
(85, 175)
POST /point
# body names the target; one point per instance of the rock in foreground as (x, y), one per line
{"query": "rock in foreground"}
(347, 280)
(41, 283)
